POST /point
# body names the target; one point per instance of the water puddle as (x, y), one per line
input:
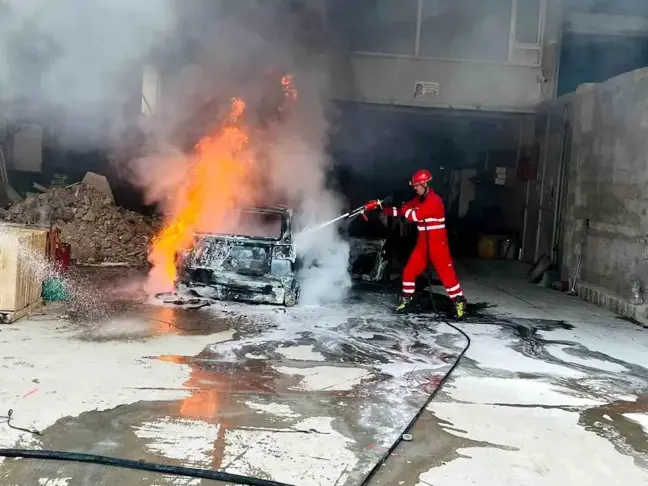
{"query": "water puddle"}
(620, 422)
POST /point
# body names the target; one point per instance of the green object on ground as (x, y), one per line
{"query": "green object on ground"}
(54, 290)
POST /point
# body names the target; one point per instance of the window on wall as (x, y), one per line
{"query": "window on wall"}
(527, 21)
(466, 29)
(380, 26)
(526, 40)
(483, 30)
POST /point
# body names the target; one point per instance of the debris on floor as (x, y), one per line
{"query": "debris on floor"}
(100, 183)
(97, 230)
(12, 194)
(184, 301)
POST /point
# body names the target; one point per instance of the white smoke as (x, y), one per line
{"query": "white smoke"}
(300, 164)
(83, 60)
(230, 59)
(77, 64)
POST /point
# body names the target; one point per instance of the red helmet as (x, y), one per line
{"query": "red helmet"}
(421, 177)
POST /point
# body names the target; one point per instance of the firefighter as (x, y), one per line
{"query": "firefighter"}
(427, 211)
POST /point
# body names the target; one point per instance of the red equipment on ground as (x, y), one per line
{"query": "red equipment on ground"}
(58, 254)
(63, 254)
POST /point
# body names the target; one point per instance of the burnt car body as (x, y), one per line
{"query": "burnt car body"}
(263, 268)
(244, 267)
(368, 259)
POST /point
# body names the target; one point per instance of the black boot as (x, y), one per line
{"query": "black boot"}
(460, 306)
(404, 304)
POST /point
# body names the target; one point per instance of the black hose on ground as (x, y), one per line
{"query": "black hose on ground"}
(12, 426)
(445, 377)
(409, 426)
(140, 465)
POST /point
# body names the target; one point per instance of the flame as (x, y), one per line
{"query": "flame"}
(213, 187)
(289, 87)
(222, 175)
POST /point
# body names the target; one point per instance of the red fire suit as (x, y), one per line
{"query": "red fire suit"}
(432, 243)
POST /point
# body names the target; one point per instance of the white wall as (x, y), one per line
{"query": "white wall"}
(513, 78)
(462, 84)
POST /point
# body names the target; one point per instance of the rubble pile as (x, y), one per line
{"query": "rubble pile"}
(97, 230)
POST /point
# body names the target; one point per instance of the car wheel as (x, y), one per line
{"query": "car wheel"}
(290, 299)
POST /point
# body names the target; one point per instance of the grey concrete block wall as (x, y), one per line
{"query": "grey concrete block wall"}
(607, 184)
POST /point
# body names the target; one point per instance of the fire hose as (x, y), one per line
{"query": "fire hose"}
(360, 211)
(139, 465)
(127, 463)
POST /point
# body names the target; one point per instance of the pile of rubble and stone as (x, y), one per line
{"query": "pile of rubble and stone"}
(97, 230)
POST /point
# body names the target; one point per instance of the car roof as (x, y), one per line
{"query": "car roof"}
(268, 209)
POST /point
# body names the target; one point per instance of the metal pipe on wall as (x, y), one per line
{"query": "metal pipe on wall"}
(542, 183)
(526, 206)
(517, 157)
(559, 186)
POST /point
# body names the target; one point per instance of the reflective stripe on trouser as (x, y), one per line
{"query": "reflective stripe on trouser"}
(409, 287)
(454, 292)
(439, 255)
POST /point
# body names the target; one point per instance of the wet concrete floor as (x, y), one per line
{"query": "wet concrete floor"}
(305, 396)
(561, 418)
(316, 396)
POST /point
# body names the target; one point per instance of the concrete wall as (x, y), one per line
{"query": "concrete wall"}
(462, 84)
(518, 83)
(607, 183)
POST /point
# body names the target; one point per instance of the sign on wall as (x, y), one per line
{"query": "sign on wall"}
(426, 89)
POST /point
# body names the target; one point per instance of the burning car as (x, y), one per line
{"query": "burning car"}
(259, 263)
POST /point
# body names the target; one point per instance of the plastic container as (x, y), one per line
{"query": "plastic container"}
(54, 290)
(488, 247)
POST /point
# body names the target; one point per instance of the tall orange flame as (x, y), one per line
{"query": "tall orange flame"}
(213, 187)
